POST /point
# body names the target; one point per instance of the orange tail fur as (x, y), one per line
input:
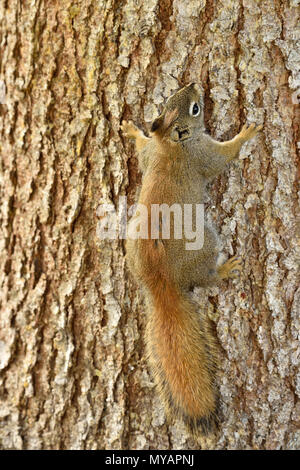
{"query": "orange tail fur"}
(182, 352)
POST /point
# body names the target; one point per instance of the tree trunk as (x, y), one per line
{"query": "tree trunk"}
(73, 368)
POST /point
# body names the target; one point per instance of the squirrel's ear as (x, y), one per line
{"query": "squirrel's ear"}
(157, 123)
(164, 121)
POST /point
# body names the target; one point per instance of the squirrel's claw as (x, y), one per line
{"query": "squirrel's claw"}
(231, 268)
(248, 133)
(129, 129)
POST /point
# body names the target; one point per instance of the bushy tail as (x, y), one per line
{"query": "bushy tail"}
(182, 352)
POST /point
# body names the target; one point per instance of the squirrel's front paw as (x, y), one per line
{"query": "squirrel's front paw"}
(231, 268)
(129, 129)
(248, 133)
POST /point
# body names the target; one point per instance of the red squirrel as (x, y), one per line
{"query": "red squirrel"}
(177, 162)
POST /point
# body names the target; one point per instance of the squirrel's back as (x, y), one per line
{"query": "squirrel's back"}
(177, 163)
(181, 347)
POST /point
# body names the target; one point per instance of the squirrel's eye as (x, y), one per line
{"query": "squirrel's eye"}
(194, 109)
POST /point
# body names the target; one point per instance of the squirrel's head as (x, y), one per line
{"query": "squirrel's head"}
(182, 116)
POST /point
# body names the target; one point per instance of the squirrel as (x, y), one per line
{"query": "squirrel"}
(177, 162)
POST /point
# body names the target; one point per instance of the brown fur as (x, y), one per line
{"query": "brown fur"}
(177, 162)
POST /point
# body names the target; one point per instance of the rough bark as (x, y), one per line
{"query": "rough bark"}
(73, 371)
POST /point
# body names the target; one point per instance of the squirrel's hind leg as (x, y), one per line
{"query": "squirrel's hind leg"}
(230, 269)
